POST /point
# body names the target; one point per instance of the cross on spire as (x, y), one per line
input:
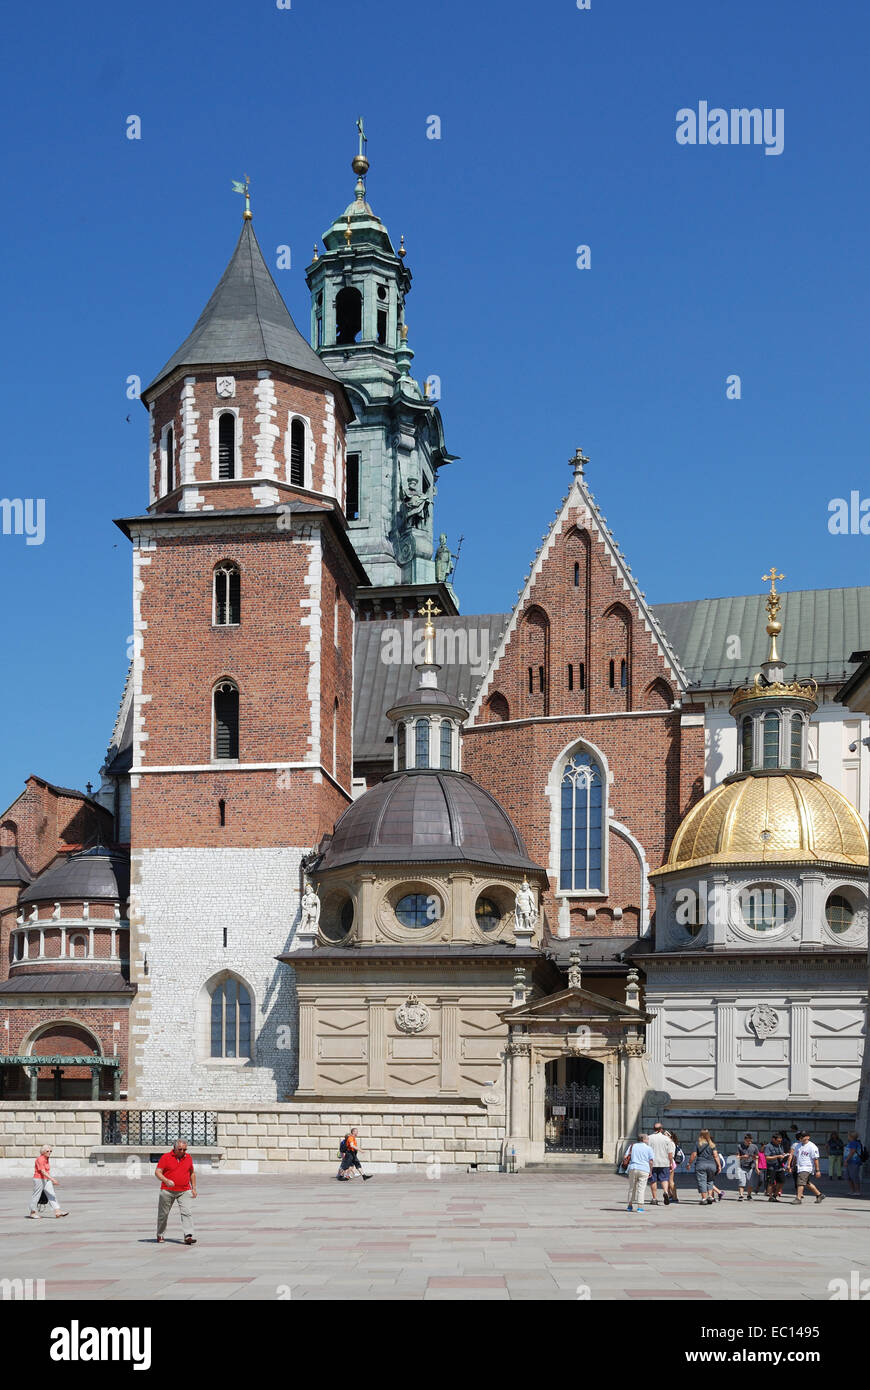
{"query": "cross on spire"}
(772, 578)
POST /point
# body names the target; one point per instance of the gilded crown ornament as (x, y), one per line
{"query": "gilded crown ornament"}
(768, 683)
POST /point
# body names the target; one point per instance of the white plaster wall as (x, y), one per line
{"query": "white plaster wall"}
(184, 900)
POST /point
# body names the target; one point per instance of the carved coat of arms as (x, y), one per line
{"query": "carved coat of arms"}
(763, 1020)
(412, 1016)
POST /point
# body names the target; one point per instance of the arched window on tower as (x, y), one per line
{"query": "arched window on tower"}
(226, 720)
(581, 822)
(496, 709)
(771, 740)
(227, 445)
(797, 740)
(400, 745)
(746, 744)
(446, 743)
(297, 452)
(348, 316)
(169, 459)
(227, 595)
(535, 635)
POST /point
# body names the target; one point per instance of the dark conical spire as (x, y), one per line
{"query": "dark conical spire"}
(246, 320)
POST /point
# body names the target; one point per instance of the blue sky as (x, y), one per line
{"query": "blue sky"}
(558, 129)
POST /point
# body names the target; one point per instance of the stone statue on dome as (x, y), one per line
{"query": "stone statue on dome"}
(525, 909)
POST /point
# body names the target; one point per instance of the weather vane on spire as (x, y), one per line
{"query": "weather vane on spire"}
(246, 189)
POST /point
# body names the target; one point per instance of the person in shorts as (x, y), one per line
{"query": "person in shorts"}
(776, 1156)
(747, 1167)
(663, 1148)
(805, 1156)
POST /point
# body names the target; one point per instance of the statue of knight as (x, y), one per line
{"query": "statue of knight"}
(525, 910)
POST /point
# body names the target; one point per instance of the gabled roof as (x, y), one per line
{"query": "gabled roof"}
(12, 868)
(246, 320)
(821, 630)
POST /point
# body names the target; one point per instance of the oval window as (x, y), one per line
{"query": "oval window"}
(486, 914)
(839, 913)
(765, 907)
(418, 909)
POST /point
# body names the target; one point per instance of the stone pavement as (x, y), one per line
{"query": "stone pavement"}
(459, 1236)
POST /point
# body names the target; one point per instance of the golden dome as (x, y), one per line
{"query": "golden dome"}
(768, 820)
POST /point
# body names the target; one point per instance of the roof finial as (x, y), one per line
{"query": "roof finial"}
(429, 611)
(359, 163)
(773, 604)
(402, 252)
(579, 462)
(246, 189)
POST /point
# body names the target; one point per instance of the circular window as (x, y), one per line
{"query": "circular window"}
(839, 913)
(382, 291)
(486, 914)
(418, 909)
(765, 907)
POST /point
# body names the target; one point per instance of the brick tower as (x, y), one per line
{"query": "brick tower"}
(243, 583)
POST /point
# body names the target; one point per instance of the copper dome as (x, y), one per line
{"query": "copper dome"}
(426, 816)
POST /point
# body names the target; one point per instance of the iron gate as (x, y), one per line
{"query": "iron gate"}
(573, 1120)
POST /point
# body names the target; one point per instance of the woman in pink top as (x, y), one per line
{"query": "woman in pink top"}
(43, 1182)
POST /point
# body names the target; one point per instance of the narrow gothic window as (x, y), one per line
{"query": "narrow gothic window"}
(771, 740)
(531, 681)
(227, 596)
(570, 676)
(422, 747)
(297, 453)
(582, 674)
(623, 675)
(580, 847)
(382, 326)
(222, 814)
(540, 678)
(446, 743)
(231, 1020)
(576, 574)
(612, 676)
(797, 731)
(170, 459)
(746, 735)
(352, 500)
(227, 445)
(226, 720)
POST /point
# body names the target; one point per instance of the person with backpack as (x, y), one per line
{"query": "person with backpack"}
(349, 1151)
(707, 1165)
(775, 1157)
(677, 1161)
(855, 1154)
(638, 1160)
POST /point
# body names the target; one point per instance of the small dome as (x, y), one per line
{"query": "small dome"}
(777, 818)
(424, 816)
(90, 876)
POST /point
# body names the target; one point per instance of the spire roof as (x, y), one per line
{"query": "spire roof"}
(246, 320)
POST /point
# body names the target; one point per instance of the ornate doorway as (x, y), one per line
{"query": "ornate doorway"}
(573, 1116)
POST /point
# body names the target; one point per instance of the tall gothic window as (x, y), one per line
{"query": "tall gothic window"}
(446, 743)
(297, 453)
(352, 488)
(746, 737)
(170, 459)
(231, 1020)
(797, 740)
(422, 750)
(227, 445)
(227, 595)
(581, 825)
(771, 740)
(400, 745)
(226, 720)
(348, 316)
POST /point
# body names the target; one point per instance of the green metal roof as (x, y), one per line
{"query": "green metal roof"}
(821, 628)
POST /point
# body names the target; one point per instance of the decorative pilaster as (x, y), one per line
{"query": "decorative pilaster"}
(306, 1048)
(450, 1044)
(377, 1045)
(799, 1071)
(726, 1047)
(518, 1053)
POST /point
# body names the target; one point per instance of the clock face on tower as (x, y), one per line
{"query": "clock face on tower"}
(226, 386)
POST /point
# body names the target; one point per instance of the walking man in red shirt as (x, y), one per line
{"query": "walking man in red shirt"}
(177, 1184)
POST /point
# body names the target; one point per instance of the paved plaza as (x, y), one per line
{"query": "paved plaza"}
(458, 1236)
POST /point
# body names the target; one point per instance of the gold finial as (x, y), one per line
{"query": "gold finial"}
(316, 256)
(347, 232)
(402, 252)
(404, 332)
(245, 188)
(359, 163)
(426, 390)
(773, 604)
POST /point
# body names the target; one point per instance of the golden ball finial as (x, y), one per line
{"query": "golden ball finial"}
(402, 252)
(315, 257)
(360, 165)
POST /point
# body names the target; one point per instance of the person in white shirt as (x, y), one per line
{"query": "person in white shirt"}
(804, 1157)
(663, 1148)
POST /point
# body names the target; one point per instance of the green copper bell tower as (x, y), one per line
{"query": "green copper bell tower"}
(396, 444)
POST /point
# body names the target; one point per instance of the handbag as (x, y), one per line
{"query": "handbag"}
(622, 1169)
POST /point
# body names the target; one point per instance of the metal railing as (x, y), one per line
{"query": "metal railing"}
(158, 1127)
